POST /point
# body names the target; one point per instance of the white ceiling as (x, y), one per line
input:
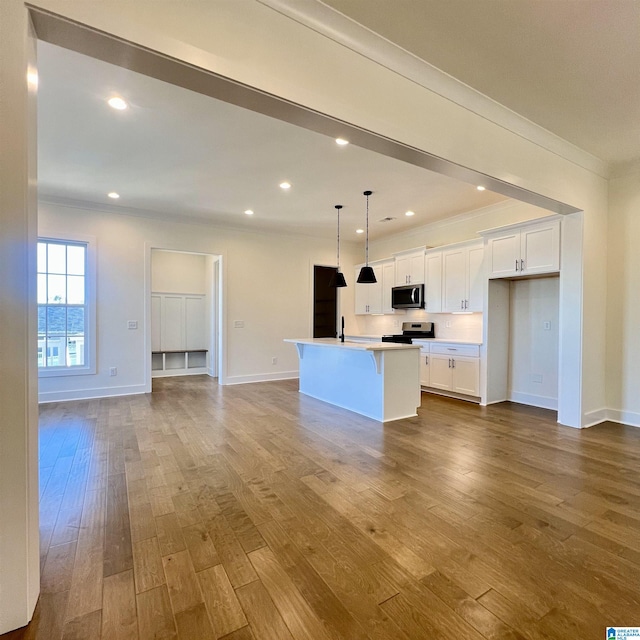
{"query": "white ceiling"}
(570, 66)
(179, 153)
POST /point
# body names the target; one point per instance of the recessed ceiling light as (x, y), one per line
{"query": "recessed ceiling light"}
(117, 103)
(342, 142)
(480, 188)
(359, 230)
(410, 213)
(113, 195)
(249, 212)
(285, 185)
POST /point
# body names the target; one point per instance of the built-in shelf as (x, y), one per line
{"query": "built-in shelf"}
(178, 363)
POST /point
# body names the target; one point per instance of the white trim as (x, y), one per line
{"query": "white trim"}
(260, 377)
(592, 418)
(544, 402)
(343, 30)
(629, 418)
(45, 397)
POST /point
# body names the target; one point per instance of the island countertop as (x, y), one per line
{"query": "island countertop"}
(347, 344)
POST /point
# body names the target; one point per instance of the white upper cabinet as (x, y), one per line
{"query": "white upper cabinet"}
(462, 271)
(409, 267)
(388, 281)
(368, 297)
(433, 281)
(524, 250)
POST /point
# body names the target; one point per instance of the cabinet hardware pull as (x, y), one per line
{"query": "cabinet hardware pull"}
(466, 304)
(426, 359)
(516, 264)
(462, 304)
(453, 363)
(521, 265)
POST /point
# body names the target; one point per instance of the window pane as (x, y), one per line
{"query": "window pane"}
(57, 258)
(56, 293)
(42, 320)
(75, 260)
(75, 351)
(42, 257)
(75, 289)
(56, 321)
(42, 288)
(75, 321)
(56, 351)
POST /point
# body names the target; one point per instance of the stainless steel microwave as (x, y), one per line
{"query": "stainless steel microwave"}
(408, 297)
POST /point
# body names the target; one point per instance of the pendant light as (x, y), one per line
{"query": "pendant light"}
(338, 278)
(367, 276)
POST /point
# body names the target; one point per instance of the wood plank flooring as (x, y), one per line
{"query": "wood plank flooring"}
(252, 512)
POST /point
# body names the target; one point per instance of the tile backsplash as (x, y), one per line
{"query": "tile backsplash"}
(447, 325)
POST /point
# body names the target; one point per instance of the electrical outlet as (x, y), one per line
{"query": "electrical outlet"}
(113, 371)
(547, 326)
(238, 324)
(132, 324)
(274, 360)
(447, 324)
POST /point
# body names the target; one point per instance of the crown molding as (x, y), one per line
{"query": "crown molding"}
(334, 25)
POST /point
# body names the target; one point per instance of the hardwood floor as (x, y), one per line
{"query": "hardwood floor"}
(252, 512)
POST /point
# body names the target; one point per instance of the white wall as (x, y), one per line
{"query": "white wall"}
(623, 302)
(533, 349)
(267, 285)
(178, 272)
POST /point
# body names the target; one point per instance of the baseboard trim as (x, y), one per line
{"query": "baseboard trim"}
(629, 418)
(261, 377)
(543, 402)
(45, 397)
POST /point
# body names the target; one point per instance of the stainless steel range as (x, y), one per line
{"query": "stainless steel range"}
(410, 330)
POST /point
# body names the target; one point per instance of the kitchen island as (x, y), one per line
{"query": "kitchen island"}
(380, 380)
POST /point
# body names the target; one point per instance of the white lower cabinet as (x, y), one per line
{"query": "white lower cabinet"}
(452, 367)
(424, 367)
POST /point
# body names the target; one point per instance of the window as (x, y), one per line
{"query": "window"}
(64, 308)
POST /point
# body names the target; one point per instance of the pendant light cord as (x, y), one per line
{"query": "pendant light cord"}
(366, 244)
(338, 239)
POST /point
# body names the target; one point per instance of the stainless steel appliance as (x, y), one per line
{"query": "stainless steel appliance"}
(410, 330)
(408, 297)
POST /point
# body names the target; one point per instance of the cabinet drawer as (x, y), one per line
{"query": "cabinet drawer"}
(470, 350)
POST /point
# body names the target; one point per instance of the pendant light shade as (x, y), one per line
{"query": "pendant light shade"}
(338, 278)
(367, 276)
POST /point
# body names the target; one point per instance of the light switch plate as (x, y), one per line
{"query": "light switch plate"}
(238, 324)
(132, 324)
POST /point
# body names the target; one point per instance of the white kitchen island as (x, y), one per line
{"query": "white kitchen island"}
(380, 380)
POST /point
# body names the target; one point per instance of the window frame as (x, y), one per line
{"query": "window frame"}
(90, 338)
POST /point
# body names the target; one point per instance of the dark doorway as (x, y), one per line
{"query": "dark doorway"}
(325, 303)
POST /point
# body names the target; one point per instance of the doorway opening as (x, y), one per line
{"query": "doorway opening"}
(183, 313)
(325, 302)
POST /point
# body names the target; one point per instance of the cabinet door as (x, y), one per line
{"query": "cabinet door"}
(403, 266)
(440, 372)
(540, 248)
(453, 280)
(416, 268)
(433, 282)
(388, 281)
(172, 331)
(475, 278)
(424, 368)
(375, 291)
(466, 376)
(361, 294)
(504, 255)
(156, 323)
(195, 323)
